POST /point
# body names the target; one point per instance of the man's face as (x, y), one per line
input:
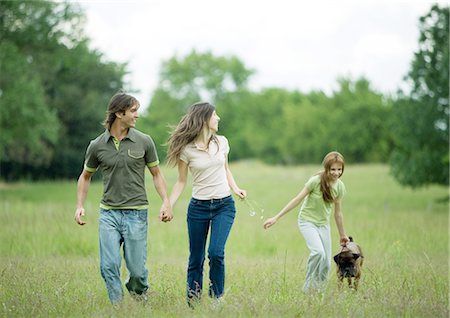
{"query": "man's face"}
(131, 115)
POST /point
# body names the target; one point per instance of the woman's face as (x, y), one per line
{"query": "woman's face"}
(213, 123)
(335, 171)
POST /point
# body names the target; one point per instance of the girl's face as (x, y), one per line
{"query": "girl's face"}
(335, 171)
(213, 123)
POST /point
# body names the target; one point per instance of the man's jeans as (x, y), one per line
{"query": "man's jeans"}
(217, 214)
(318, 240)
(127, 227)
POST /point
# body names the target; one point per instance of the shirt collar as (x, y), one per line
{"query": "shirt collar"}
(131, 135)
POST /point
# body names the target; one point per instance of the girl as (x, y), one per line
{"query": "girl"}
(321, 192)
(194, 144)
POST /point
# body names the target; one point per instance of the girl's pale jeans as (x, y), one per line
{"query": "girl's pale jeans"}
(318, 240)
(127, 227)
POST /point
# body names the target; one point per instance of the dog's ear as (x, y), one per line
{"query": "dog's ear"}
(336, 258)
(356, 256)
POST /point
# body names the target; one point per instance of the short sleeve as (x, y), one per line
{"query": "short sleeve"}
(183, 156)
(151, 156)
(341, 190)
(224, 145)
(312, 182)
(91, 160)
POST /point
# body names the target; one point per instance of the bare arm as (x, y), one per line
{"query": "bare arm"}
(181, 182)
(165, 212)
(291, 205)
(232, 183)
(82, 189)
(340, 222)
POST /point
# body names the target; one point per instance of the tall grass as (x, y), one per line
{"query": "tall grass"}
(49, 266)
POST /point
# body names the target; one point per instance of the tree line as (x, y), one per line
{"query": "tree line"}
(54, 91)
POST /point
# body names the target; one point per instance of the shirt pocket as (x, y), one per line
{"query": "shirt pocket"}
(136, 154)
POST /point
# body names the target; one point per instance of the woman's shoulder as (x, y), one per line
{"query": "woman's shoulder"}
(223, 141)
(188, 147)
(222, 144)
(222, 138)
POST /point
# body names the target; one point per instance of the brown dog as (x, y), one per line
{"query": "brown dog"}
(349, 261)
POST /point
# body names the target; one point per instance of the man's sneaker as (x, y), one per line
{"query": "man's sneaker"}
(139, 297)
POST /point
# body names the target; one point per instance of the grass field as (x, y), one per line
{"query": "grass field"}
(49, 265)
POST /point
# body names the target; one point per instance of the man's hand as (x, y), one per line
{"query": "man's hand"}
(165, 213)
(78, 214)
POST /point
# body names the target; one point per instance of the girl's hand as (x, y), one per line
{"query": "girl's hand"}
(344, 240)
(240, 193)
(269, 222)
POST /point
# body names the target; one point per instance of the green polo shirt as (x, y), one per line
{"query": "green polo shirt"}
(123, 168)
(314, 208)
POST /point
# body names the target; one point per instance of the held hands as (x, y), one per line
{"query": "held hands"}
(165, 213)
(78, 214)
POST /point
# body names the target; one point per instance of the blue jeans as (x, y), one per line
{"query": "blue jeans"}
(127, 227)
(203, 215)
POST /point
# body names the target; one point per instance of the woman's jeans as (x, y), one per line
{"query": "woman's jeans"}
(318, 240)
(217, 215)
(127, 227)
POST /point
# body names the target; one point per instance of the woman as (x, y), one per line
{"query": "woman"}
(322, 192)
(194, 144)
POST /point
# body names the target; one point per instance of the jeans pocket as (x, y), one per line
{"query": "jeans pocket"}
(105, 216)
(136, 225)
(195, 202)
(142, 215)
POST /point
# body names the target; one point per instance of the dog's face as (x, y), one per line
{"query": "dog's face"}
(348, 263)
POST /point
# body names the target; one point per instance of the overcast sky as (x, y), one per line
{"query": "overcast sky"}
(304, 45)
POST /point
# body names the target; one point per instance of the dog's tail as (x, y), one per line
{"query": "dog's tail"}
(350, 238)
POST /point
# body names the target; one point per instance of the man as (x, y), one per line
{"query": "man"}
(122, 153)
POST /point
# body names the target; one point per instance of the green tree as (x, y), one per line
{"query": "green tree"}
(203, 76)
(53, 89)
(185, 80)
(420, 125)
(29, 126)
(359, 128)
(305, 137)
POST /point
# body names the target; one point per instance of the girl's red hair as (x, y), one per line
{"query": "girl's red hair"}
(328, 161)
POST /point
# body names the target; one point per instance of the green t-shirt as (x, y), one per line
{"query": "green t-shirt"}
(123, 168)
(314, 209)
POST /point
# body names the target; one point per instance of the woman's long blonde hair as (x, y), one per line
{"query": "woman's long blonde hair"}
(325, 187)
(189, 128)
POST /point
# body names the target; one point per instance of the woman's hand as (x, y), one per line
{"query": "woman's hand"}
(165, 213)
(240, 193)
